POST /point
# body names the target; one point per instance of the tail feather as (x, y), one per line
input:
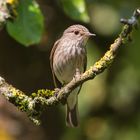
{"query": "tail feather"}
(72, 116)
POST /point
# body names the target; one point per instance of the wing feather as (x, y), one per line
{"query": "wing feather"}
(51, 62)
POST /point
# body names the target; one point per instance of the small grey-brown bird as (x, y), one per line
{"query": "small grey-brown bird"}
(68, 59)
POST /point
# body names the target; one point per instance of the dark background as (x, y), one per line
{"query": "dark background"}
(108, 105)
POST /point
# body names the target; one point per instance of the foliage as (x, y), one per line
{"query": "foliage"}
(27, 28)
(76, 9)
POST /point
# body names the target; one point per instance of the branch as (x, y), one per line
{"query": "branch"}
(34, 104)
(7, 11)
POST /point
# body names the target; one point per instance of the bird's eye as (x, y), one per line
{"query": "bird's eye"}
(76, 32)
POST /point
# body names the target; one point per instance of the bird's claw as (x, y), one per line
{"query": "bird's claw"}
(56, 90)
(77, 75)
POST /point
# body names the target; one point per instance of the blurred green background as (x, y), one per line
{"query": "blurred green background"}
(109, 105)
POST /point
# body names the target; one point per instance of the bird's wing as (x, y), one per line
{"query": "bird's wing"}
(85, 62)
(55, 80)
(85, 66)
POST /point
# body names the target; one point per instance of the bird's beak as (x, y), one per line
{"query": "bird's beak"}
(90, 34)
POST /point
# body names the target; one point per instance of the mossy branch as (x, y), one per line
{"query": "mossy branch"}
(34, 104)
(7, 10)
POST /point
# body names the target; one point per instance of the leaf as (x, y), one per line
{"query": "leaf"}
(76, 9)
(27, 28)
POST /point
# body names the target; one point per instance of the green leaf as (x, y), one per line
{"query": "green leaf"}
(27, 28)
(76, 9)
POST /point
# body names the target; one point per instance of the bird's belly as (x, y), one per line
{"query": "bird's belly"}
(68, 73)
(65, 69)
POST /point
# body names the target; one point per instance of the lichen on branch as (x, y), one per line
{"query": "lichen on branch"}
(7, 10)
(34, 104)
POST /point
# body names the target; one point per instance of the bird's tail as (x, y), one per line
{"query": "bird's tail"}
(72, 114)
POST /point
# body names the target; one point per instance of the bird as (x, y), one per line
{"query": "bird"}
(68, 60)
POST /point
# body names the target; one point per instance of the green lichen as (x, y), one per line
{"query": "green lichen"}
(43, 93)
(26, 103)
(36, 121)
(19, 99)
(105, 61)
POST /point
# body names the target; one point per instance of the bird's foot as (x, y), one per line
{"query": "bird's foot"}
(56, 90)
(77, 75)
